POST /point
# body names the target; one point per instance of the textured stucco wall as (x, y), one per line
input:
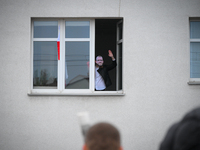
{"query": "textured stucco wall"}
(156, 72)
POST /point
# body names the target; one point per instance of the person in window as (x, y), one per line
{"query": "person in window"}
(102, 78)
(102, 136)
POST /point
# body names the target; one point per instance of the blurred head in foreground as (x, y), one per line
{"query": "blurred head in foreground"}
(185, 134)
(102, 136)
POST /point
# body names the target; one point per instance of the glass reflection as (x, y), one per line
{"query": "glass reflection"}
(76, 69)
(120, 67)
(195, 60)
(45, 65)
(194, 29)
(45, 29)
(77, 29)
(120, 31)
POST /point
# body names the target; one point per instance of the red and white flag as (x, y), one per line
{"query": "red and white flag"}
(58, 43)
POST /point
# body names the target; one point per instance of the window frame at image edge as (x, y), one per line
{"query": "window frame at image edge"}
(193, 41)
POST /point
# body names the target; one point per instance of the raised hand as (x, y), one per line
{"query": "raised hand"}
(110, 54)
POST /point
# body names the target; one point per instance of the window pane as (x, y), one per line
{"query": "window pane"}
(45, 29)
(120, 31)
(76, 69)
(45, 65)
(195, 60)
(77, 29)
(120, 66)
(194, 29)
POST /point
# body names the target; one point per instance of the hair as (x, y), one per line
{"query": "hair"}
(103, 136)
(99, 56)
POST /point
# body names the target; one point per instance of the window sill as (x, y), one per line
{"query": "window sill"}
(94, 93)
(194, 82)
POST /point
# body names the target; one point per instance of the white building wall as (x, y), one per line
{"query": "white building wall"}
(156, 72)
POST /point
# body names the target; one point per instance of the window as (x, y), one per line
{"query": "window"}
(64, 52)
(194, 51)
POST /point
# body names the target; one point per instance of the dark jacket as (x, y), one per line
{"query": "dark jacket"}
(184, 135)
(103, 71)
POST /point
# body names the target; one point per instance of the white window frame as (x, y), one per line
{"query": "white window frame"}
(61, 63)
(193, 81)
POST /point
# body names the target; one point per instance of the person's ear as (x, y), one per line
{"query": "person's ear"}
(120, 148)
(85, 147)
